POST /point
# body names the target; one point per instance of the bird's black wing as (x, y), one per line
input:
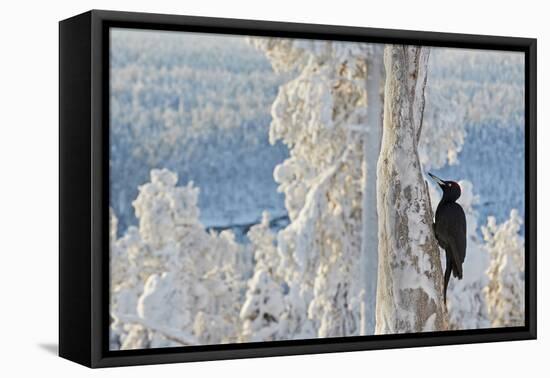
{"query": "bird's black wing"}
(450, 229)
(463, 237)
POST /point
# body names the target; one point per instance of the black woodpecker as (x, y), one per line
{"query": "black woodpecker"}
(450, 229)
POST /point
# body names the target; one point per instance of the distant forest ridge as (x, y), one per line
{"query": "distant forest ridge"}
(200, 105)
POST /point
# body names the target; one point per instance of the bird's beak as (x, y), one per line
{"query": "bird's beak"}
(436, 179)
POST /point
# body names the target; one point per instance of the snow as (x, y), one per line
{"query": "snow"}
(505, 292)
(315, 115)
(158, 293)
(180, 276)
(199, 105)
(238, 194)
(409, 289)
(429, 326)
(262, 308)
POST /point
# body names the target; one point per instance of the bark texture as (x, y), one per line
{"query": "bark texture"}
(409, 289)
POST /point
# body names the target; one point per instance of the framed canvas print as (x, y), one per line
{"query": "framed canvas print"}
(234, 188)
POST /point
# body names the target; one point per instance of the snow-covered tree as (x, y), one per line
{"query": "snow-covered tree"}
(262, 243)
(188, 287)
(264, 304)
(174, 282)
(198, 105)
(165, 211)
(127, 272)
(409, 292)
(321, 115)
(506, 289)
(262, 309)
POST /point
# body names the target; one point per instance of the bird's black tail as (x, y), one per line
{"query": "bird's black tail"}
(457, 271)
(446, 282)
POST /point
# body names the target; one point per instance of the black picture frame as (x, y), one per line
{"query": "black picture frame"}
(84, 188)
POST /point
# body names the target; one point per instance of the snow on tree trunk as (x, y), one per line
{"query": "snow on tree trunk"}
(369, 215)
(409, 292)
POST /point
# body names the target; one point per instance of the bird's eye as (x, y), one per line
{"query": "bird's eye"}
(449, 185)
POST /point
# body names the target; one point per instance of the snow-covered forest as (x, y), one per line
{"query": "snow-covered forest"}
(271, 189)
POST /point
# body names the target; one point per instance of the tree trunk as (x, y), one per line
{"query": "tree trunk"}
(409, 291)
(369, 234)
